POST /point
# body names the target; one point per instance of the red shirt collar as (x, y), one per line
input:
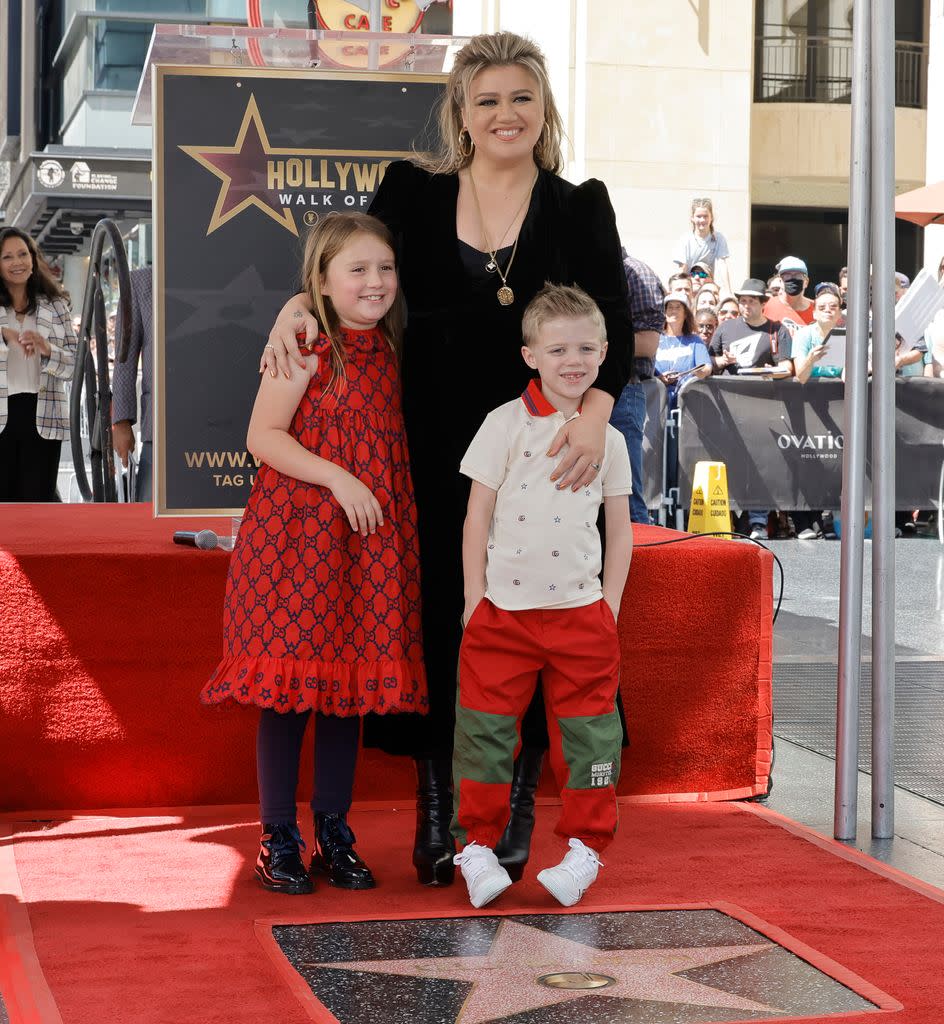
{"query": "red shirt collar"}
(536, 403)
(534, 400)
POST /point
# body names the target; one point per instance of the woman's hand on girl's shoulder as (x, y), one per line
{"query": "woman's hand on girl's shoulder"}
(294, 325)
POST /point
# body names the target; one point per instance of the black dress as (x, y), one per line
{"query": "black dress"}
(461, 359)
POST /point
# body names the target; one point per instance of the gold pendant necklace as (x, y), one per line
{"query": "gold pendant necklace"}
(505, 295)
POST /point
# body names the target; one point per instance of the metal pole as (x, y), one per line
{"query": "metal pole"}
(854, 424)
(883, 420)
(375, 13)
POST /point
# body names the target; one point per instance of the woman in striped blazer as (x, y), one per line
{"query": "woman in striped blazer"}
(37, 355)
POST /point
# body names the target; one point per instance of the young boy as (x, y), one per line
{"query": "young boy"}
(534, 604)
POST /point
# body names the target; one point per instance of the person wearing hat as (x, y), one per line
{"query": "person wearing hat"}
(752, 340)
(902, 284)
(909, 362)
(701, 273)
(792, 307)
(681, 354)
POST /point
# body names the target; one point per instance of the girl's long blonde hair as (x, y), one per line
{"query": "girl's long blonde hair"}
(500, 49)
(322, 244)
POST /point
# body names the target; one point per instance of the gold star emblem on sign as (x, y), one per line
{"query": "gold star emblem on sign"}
(242, 170)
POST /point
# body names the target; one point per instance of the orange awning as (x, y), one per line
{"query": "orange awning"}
(922, 206)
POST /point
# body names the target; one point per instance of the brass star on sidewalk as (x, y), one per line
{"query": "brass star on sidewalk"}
(242, 169)
(505, 980)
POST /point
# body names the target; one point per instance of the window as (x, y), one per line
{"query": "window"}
(804, 52)
(120, 48)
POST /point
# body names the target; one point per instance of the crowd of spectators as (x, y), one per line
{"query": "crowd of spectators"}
(778, 328)
(693, 326)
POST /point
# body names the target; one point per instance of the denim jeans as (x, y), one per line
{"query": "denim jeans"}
(758, 517)
(629, 417)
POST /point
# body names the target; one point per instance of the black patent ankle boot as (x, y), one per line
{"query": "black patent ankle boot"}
(335, 855)
(514, 846)
(434, 846)
(279, 866)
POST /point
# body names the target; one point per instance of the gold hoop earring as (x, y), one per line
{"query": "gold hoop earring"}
(463, 152)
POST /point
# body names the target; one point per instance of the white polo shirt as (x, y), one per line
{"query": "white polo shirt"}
(543, 545)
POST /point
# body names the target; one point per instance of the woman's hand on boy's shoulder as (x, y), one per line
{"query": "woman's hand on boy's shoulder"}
(585, 437)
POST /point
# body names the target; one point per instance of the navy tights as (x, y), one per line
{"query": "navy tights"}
(278, 751)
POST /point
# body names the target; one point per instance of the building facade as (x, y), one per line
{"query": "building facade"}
(745, 101)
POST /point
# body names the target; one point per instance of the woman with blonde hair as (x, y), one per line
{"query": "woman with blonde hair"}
(480, 226)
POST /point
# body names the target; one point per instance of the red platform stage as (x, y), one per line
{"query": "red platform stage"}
(110, 630)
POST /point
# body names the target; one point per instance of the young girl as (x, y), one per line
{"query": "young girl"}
(704, 244)
(322, 605)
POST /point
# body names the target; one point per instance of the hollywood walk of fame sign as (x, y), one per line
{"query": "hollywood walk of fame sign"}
(245, 160)
(680, 966)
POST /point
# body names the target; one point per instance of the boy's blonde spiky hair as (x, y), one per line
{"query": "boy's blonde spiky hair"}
(555, 302)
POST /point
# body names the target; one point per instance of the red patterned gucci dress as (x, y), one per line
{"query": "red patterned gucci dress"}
(316, 616)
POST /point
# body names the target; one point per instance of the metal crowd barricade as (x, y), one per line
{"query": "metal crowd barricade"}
(782, 441)
(91, 372)
(654, 447)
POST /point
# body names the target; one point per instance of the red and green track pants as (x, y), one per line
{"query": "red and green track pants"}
(576, 653)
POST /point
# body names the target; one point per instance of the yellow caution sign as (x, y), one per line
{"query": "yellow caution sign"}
(711, 510)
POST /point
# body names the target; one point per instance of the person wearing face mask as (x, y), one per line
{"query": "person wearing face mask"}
(793, 308)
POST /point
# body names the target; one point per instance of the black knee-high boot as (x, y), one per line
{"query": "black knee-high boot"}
(434, 847)
(514, 846)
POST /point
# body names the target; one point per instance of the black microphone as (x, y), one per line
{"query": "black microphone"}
(206, 540)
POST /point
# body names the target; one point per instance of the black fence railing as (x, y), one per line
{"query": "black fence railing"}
(818, 69)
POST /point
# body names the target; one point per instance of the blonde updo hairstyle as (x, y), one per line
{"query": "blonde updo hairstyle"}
(322, 244)
(497, 50)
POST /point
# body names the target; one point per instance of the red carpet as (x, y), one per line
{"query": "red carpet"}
(111, 631)
(151, 919)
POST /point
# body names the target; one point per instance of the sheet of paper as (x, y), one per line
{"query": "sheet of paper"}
(917, 307)
(835, 349)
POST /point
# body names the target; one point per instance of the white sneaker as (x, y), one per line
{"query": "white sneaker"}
(569, 880)
(484, 876)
